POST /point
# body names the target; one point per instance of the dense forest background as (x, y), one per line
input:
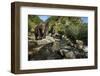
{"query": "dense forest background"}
(73, 27)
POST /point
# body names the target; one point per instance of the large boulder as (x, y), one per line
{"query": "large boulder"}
(70, 55)
(35, 46)
(32, 44)
(79, 44)
(85, 49)
(56, 45)
(45, 41)
(67, 54)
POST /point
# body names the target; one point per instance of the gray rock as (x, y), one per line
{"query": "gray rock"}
(63, 51)
(67, 54)
(45, 41)
(56, 45)
(85, 49)
(70, 55)
(79, 44)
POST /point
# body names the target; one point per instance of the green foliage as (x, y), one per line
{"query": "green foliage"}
(33, 20)
(83, 34)
(72, 27)
(72, 32)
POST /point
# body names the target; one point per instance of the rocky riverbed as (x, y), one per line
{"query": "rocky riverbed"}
(53, 48)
